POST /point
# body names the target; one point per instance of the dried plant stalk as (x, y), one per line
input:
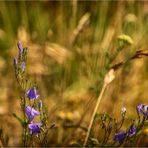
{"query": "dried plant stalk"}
(108, 78)
(83, 21)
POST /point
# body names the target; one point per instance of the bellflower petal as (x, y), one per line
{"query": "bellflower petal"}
(119, 137)
(140, 108)
(132, 130)
(31, 112)
(143, 109)
(32, 94)
(35, 128)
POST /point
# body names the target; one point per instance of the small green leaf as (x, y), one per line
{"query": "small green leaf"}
(19, 119)
(94, 140)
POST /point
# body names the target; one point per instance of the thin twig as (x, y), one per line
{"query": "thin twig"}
(137, 55)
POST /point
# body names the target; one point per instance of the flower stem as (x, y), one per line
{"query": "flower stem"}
(94, 113)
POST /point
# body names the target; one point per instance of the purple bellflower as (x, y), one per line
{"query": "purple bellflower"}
(132, 130)
(120, 137)
(142, 109)
(35, 128)
(32, 94)
(31, 112)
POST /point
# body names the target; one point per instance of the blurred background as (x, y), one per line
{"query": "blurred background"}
(69, 45)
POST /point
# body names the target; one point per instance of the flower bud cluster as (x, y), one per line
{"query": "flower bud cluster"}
(30, 95)
(20, 63)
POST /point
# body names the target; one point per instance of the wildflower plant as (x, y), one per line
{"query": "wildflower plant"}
(31, 103)
(34, 121)
(115, 135)
(120, 136)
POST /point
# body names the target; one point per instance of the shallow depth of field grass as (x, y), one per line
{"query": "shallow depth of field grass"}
(71, 46)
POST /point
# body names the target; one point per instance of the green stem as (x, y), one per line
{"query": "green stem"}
(24, 125)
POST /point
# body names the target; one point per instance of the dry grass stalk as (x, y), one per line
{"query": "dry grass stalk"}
(57, 52)
(109, 77)
(74, 7)
(108, 37)
(83, 21)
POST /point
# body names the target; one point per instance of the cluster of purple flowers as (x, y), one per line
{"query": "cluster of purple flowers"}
(31, 112)
(122, 135)
(141, 110)
(32, 95)
(20, 66)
